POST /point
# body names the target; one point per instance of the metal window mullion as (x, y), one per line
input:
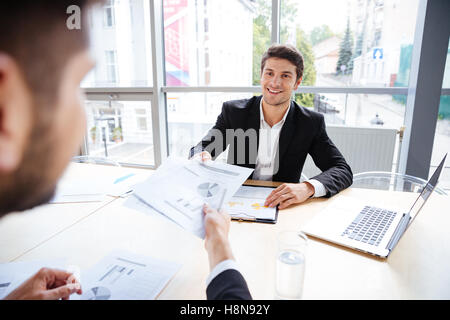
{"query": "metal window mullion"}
(118, 90)
(136, 96)
(276, 9)
(301, 89)
(159, 113)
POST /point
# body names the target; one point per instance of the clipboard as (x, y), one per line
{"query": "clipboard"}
(246, 204)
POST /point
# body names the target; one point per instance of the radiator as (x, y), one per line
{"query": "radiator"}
(364, 149)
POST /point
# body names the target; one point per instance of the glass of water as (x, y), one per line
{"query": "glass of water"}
(290, 267)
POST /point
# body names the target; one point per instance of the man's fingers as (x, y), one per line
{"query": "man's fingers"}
(275, 194)
(61, 292)
(56, 274)
(280, 199)
(207, 209)
(286, 203)
(205, 156)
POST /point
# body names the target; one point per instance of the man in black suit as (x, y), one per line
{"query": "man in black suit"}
(42, 124)
(273, 134)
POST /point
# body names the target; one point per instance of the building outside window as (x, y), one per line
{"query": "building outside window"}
(108, 14)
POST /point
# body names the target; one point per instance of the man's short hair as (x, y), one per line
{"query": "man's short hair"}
(35, 34)
(284, 51)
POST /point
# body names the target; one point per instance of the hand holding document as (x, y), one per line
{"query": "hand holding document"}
(13, 274)
(180, 187)
(118, 276)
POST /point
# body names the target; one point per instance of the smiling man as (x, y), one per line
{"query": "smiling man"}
(282, 133)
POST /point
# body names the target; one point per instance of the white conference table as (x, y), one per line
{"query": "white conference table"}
(417, 268)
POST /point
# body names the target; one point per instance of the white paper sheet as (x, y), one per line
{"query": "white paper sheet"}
(81, 190)
(94, 189)
(180, 187)
(126, 276)
(13, 274)
(248, 203)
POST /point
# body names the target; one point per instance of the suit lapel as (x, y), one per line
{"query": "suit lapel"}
(286, 133)
(253, 122)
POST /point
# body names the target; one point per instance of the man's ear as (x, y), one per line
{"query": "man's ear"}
(15, 114)
(298, 83)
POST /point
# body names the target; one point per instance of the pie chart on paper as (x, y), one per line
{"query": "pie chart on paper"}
(98, 293)
(208, 190)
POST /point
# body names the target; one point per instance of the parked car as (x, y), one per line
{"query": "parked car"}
(328, 104)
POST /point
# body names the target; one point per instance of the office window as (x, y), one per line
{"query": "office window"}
(129, 39)
(214, 42)
(111, 66)
(120, 130)
(343, 43)
(108, 14)
(191, 115)
(141, 117)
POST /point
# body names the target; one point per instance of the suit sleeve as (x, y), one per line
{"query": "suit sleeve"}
(336, 173)
(228, 285)
(215, 140)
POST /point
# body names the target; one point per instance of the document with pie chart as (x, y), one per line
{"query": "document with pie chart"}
(180, 187)
(248, 205)
(123, 275)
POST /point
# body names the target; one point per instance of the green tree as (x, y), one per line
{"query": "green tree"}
(318, 34)
(261, 37)
(345, 51)
(261, 41)
(309, 70)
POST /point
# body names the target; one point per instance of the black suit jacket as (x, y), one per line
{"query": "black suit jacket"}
(303, 133)
(228, 285)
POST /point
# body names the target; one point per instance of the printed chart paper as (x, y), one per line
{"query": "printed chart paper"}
(180, 187)
(248, 204)
(126, 276)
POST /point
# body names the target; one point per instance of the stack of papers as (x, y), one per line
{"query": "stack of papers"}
(180, 187)
(125, 276)
(118, 276)
(95, 189)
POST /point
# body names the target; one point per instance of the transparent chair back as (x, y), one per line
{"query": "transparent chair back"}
(391, 181)
(95, 160)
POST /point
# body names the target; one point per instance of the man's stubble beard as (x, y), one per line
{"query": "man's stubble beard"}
(30, 184)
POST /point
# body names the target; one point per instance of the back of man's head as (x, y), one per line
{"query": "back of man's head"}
(36, 34)
(43, 58)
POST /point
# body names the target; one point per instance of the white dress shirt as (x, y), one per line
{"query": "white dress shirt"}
(267, 150)
(221, 267)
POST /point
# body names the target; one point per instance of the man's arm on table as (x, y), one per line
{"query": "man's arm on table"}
(225, 282)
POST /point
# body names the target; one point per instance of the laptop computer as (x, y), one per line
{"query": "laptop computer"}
(355, 224)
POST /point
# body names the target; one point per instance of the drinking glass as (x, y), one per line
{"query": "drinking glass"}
(290, 268)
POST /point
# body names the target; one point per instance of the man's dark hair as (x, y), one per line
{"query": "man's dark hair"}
(35, 34)
(284, 51)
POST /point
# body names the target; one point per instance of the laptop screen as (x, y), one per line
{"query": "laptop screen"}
(427, 190)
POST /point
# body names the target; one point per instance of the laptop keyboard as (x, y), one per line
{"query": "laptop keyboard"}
(370, 225)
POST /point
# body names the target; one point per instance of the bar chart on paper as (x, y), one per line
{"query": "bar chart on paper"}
(125, 276)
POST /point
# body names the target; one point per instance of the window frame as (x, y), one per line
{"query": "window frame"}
(157, 93)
